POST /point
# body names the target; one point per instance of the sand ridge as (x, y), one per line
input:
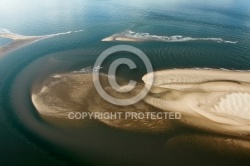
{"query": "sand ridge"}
(215, 100)
(18, 41)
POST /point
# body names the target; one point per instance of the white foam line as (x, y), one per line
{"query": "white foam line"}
(63, 33)
(175, 38)
(88, 69)
(6, 31)
(3, 31)
(206, 68)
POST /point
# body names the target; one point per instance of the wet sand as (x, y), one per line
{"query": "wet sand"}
(213, 100)
(62, 94)
(203, 149)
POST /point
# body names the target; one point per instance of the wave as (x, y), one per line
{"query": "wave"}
(134, 36)
(88, 69)
(63, 33)
(4, 31)
(207, 68)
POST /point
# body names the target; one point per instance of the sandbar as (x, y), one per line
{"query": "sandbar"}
(214, 100)
(62, 94)
(18, 41)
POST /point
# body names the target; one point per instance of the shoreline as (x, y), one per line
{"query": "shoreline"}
(209, 100)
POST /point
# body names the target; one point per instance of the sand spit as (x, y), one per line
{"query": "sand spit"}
(18, 41)
(215, 100)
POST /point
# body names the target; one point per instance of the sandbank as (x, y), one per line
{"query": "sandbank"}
(18, 41)
(62, 94)
(215, 100)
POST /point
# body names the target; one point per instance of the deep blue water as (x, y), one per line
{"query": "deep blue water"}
(226, 19)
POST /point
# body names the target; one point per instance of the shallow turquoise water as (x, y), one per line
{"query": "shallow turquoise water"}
(226, 19)
(4, 41)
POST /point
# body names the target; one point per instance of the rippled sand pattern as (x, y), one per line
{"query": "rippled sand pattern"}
(62, 94)
(214, 100)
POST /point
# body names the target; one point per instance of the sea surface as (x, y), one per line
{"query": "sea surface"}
(4, 41)
(195, 34)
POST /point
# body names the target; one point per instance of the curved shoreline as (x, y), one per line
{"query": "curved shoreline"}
(207, 99)
(63, 94)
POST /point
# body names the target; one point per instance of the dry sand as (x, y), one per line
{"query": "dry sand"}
(215, 100)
